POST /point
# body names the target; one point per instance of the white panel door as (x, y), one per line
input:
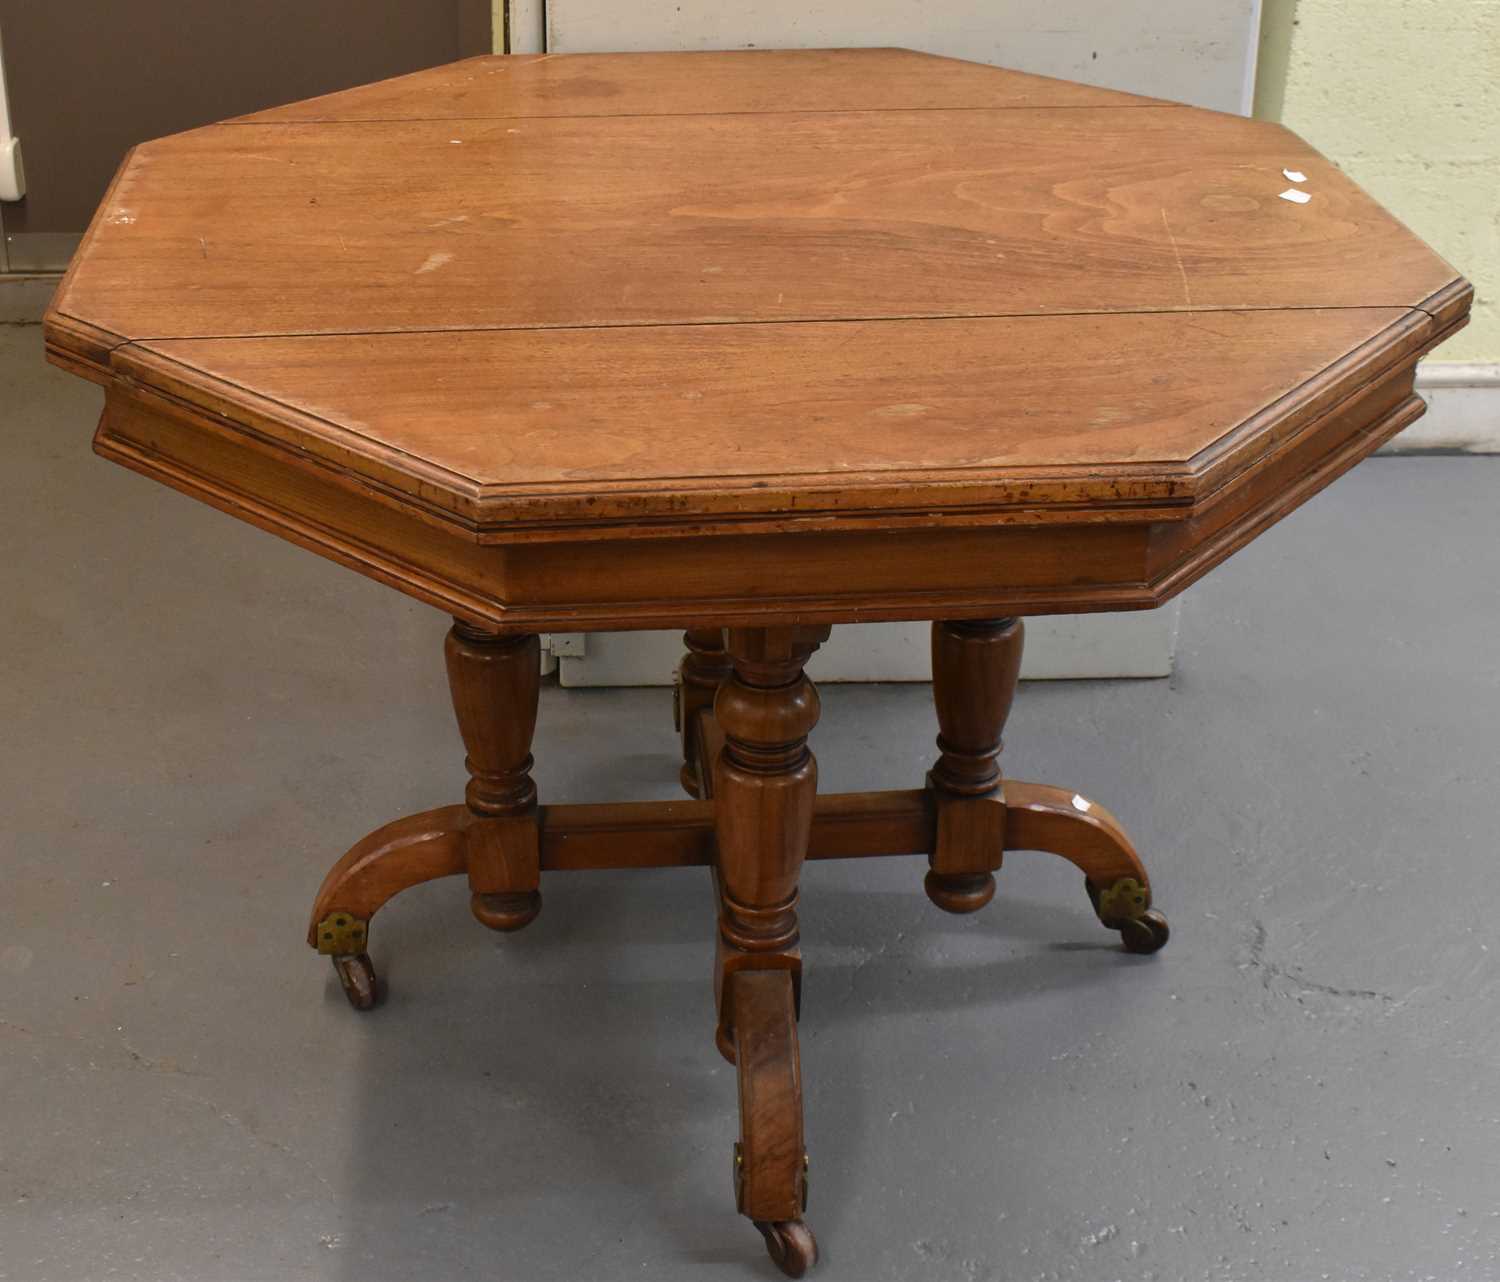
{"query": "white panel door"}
(1196, 51)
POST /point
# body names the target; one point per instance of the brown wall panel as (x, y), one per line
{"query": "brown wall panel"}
(88, 79)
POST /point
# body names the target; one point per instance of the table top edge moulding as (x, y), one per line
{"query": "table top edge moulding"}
(579, 487)
(847, 572)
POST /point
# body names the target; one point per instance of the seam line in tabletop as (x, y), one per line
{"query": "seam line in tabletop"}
(1196, 310)
(873, 477)
(679, 115)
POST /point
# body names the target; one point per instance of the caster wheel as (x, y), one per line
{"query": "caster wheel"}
(357, 975)
(1145, 934)
(790, 1244)
(1123, 906)
(960, 892)
(509, 911)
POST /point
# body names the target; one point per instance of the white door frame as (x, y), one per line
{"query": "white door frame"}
(12, 180)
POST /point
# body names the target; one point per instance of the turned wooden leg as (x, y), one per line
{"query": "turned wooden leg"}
(975, 665)
(702, 670)
(764, 784)
(492, 837)
(495, 681)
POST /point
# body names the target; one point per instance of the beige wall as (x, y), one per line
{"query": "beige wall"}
(1405, 96)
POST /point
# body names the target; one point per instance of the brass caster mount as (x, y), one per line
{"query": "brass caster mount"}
(342, 936)
(1125, 905)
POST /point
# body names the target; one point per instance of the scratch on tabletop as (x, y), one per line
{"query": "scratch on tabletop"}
(1187, 294)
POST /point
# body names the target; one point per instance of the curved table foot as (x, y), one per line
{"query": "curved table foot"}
(770, 1162)
(391, 859)
(1039, 817)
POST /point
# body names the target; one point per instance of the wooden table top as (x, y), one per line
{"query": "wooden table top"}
(634, 297)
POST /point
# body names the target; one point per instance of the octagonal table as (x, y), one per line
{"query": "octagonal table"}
(754, 343)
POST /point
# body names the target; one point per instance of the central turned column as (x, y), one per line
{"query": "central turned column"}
(764, 784)
(765, 780)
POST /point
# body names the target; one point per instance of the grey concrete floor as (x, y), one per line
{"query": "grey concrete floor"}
(197, 719)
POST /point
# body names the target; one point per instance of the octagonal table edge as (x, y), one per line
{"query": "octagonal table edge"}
(973, 562)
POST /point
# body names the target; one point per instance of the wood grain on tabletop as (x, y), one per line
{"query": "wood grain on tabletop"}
(319, 228)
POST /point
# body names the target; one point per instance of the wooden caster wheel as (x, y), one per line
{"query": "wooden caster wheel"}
(790, 1244)
(1145, 934)
(357, 975)
(960, 892)
(508, 911)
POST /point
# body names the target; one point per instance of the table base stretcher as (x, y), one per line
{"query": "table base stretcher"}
(744, 710)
